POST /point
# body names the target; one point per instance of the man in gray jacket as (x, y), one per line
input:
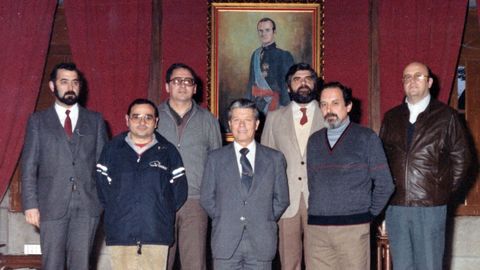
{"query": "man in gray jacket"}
(59, 196)
(195, 132)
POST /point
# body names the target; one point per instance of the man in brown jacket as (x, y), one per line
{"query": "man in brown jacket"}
(428, 154)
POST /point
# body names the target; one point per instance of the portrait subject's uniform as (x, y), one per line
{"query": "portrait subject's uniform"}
(283, 132)
(58, 179)
(266, 83)
(244, 223)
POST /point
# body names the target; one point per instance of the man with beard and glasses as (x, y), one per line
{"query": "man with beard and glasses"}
(287, 130)
(349, 182)
(59, 196)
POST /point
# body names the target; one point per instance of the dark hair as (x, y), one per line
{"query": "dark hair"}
(347, 92)
(266, 19)
(140, 101)
(300, 66)
(242, 103)
(67, 66)
(177, 66)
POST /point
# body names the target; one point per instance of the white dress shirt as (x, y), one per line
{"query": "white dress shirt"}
(62, 115)
(418, 108)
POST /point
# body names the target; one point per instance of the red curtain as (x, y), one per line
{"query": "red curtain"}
(418, 30)
(347, 48)
(25, 28)
(111, 44)
(184, 37)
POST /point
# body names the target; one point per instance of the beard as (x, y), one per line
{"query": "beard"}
(303, 95)
(332, 121)
(69, 97)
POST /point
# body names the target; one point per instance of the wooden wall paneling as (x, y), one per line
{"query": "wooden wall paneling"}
(469, 197)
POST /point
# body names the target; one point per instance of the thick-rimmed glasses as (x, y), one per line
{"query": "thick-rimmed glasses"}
(137, 118)
(183, 81)
(415, 77)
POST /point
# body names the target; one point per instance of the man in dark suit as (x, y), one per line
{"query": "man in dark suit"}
(268, 66)
(245, 191)
(59, 196)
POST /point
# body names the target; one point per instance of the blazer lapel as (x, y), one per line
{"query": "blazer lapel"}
(288, 122)
(80, 127)
(54, 125)
(233, 174)
(317, 123)
(259, 170)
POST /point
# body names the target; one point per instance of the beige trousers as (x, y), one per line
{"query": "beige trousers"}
(291, 234)
(339, 247)
(153, 257)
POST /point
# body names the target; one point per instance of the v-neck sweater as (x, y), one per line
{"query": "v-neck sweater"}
(349, 183)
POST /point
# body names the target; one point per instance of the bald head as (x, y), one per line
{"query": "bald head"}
(416, 82)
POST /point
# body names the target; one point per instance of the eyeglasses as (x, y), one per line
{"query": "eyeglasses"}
(416, 77)
(183, 81)
(137, 118)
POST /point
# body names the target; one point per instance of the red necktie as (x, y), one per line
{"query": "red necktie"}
(68, 124)
(304, 118)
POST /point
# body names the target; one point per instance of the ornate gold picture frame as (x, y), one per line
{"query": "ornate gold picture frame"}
(234, 39)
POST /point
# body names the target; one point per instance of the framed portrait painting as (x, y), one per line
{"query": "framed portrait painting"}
(251, 48)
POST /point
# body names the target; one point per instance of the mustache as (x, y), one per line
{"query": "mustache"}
(304, 88)
(70, 93)
(330, 115)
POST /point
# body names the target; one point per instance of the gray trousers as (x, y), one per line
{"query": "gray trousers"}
(244, 258)
(68, 239)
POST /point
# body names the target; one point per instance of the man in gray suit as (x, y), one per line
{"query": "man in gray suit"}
(287, 130)
(245, 191)
(59, 196)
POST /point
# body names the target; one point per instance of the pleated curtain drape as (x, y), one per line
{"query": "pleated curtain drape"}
(25, 28)
(418, 30)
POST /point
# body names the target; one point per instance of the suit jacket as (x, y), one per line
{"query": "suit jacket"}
(51, 163)
(232, 210)
(279, 133)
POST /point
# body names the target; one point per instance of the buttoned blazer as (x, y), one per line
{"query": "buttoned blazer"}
(279, 133)
(232, 209)
(52, 162)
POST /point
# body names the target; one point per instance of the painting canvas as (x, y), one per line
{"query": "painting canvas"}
(247, 60)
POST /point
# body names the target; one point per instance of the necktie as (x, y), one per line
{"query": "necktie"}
(247, 171)
(304, 118)
(68, 124)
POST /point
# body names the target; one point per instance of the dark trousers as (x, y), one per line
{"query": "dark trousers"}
(68, 239)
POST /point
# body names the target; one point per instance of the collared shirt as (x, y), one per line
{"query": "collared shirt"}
(302, 131)
(252, 147)
(418, 108)
(62, 115)
(181, 121)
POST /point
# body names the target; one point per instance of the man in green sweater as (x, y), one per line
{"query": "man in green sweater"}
(349, 182)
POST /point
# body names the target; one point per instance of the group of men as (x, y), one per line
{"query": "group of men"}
(315, 182)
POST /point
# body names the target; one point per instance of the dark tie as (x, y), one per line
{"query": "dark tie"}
(68, 124)
(304, 118)
(247, 171)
